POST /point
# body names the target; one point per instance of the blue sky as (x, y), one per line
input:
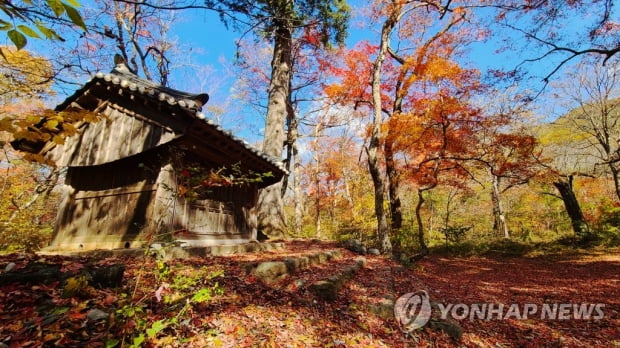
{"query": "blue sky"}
(214, 46)
(213, 49)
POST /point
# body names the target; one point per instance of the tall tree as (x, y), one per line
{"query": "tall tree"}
(593, 92)
(308, 113)
(580, 225)
(506, 151)
(567, 161)
(417, 26)
(430, 37)
(278, 20)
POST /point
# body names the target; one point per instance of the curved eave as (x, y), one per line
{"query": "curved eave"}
(189, 106)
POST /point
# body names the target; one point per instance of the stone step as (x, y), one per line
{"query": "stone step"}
(272, 271)
(327, 289)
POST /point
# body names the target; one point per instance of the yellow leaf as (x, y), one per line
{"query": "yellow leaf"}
(69, 129)
(31, 120)
(6, 125)
(74, 285)
(216, 342)
(58, 139)
(51, 124)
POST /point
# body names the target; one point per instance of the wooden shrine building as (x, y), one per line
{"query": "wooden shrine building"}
(152, 168)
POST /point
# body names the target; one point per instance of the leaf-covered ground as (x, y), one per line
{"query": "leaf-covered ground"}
(213, 302)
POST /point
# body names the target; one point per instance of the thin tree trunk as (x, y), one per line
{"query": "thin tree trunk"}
(271, 218)
(499, 219)
(578, 221)
(418, 216)
(297, 194)
(615, 174)
(317, 205)
(292, 133)
(317, 180)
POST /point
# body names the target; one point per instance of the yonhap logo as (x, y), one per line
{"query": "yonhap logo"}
(412, 310)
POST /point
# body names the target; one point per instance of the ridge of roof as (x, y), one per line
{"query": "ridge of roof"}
(122, 77)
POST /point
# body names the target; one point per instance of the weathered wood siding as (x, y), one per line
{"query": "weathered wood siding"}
(107, 206)
(119, 134)
(226, 214)
(130, 202)
(108, 219)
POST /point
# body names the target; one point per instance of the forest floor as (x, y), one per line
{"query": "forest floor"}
(213, 302)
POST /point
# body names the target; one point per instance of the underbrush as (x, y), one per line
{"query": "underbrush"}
(24, 238)
(599, 240)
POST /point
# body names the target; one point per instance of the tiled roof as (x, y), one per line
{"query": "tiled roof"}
(121, 77)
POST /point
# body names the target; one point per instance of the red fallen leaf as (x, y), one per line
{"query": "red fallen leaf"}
(110, 300)
(50, 337)
(65, 341)
(75, 316)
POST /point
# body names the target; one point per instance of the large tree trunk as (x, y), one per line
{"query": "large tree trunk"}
(393, 187)
(578, 221)
(373, 146)
(499, 219)
(394, 197)
(271, 219)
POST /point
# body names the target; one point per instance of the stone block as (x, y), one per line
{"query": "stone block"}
(270, 271)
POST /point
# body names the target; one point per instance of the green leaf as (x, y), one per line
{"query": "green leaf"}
(75, 17)
(5, 25)
(74, 3)
(112, 343)
(49, 33)
(60, 310)
(156, 328)
(28, 31)
(137, 341)
(202, 295)
(57, 6)
(18, 39)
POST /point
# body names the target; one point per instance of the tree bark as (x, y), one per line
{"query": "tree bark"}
(499, 219)
(271, 218)
(578, 221)
(418, 216)
(373, 147)
(615, 174)
(317, 180)
(393, 187)
(292, 134)
(297, 193)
